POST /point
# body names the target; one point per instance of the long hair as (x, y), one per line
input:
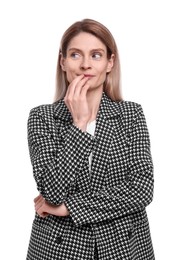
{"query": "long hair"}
(112, 84)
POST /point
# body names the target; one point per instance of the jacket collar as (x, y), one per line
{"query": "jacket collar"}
(61, 111)
(107, 109)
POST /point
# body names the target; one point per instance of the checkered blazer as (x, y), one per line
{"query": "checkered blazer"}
(107, 206)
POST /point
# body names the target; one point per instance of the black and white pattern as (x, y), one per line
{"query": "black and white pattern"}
(107, 208)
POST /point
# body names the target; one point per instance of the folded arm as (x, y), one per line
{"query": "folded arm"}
(132, 194)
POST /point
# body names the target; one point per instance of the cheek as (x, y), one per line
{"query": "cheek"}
(103, 72)
(69, 77)
(103, 68)
(70, 73)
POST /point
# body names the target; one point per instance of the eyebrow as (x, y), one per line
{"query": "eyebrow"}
(93, 50)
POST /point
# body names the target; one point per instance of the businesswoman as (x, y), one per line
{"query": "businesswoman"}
(91, 159)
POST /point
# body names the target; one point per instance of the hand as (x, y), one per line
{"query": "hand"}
(43, 208)
(76, 101)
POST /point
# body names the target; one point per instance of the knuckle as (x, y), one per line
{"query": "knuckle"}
(75, 99)
(69, 100)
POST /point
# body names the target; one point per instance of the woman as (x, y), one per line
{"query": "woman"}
(90, 153)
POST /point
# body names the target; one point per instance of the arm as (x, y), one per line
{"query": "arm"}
(55, 163)
(133, 193)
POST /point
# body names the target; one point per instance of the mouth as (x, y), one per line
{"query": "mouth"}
(89, 75)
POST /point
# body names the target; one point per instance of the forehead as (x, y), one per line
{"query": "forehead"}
(86, 41)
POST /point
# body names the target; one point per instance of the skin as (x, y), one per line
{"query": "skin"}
(86, 66)
(86, 55)
(43, 208)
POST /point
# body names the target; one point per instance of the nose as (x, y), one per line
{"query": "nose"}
(85, 63)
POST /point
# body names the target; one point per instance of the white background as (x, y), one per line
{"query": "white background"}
(148, 35)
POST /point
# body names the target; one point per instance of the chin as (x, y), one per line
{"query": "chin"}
(96, 88)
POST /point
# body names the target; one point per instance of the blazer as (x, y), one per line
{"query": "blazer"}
(107, 205)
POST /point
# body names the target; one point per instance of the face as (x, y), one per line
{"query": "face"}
(87, 55)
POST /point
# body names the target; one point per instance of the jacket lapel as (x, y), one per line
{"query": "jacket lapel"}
(108, 113)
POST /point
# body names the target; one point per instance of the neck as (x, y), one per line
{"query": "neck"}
(94, 98)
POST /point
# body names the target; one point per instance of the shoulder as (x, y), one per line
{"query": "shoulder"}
(51, 112)
(40, 116)
(130, 108)
(43, 110)
(131, 112)
(128, 105)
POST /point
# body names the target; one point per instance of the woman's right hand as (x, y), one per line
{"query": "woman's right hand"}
(76, 101)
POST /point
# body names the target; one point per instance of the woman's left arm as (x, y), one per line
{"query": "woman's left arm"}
(134, 193)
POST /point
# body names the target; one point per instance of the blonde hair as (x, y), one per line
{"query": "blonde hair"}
(112, 84)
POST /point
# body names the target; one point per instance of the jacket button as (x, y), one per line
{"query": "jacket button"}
(129, 234)
(58, 240)
(127, 178)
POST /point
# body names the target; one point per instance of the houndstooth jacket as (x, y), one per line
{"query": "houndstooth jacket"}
(107, 206)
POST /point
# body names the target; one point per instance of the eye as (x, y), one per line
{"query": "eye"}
(75, 55)
(96, 55)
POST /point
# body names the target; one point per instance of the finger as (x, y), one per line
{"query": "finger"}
(43, 215)
(84, 90)
(37, 198)
(41, 212)
(41, 209)
(80, 85)
(72, 85)
(39, 204)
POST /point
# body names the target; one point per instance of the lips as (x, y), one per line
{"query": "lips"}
(88, 75)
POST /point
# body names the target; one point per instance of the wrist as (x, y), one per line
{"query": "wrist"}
(81, 125)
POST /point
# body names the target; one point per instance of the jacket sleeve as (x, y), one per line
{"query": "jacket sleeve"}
(134, 193)
(55, 163)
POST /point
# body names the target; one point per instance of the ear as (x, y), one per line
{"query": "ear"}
(110, 63)
(62, 63)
